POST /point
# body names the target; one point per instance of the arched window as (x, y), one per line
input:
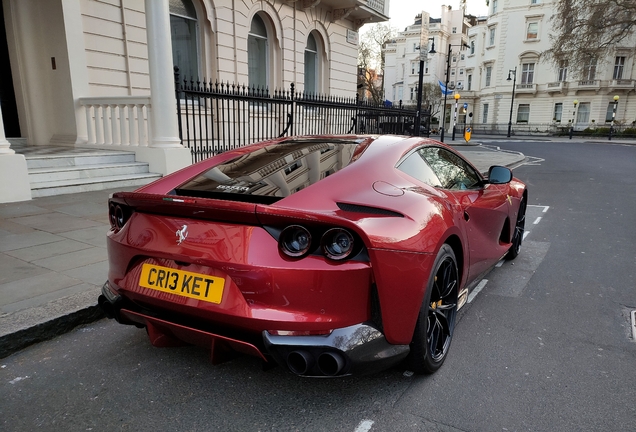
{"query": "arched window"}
(184, 29)
(257, 54)
(311, 66)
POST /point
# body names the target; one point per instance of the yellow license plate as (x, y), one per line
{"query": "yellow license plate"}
(182, 283)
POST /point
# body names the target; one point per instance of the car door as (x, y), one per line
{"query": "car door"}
(484, 206)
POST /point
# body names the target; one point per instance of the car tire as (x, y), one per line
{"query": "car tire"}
(517, 237)
(436, 321)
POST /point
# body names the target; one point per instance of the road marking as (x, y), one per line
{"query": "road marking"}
(537, 220)
(545, 208)
(477, 290)
(525, 234)
(634, 325)
(364, 426)
(500, 263)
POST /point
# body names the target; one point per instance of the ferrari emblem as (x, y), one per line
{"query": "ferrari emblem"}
(182, 234)
(509, 199)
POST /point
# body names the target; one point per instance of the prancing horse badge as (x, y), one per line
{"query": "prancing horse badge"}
(182, 234)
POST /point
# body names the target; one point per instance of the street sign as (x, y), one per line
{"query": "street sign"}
(465, 105)
(467, 132)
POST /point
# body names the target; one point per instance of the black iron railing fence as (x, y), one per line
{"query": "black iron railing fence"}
(216, 117)
(552, 129)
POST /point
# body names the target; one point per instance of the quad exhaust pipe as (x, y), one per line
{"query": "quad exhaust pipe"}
(302, 362)
(330, 363)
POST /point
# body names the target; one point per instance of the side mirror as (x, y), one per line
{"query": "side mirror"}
(499, 175)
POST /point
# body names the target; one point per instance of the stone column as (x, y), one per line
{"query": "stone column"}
(164, 153)
(14, 177)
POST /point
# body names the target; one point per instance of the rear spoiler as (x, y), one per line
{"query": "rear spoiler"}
(196, 208)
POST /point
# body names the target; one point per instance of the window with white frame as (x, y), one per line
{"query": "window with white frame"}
(472, 46)
(527, 73)
(558, 112)
(469, 80)
(312, 65)
(583, 114)
(257, 54)
(413, 93)
(454, 30)
(461, 57)
(400, 92)
(532, 30)
(183, 33)
(415, 67)
(619, 66)
(491, 36)
(563, 70)
(523, 113)
(534, 2)
(488, 75)
(494, 6)
(589, 70)
(484, 118)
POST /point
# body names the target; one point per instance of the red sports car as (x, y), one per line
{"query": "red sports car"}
(329, 255)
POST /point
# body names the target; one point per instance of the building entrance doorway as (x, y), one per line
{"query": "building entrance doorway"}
(7, 95)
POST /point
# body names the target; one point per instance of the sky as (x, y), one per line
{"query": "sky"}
(402, 12)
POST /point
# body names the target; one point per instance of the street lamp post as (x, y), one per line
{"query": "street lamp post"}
(576, 102)
(418, 117)
(455, 116)
(613, 116)
(450, 51)
(512, 101)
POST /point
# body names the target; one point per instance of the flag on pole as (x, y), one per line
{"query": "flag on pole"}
(445, 91)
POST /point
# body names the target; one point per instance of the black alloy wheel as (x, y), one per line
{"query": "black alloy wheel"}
(436, 322)
(520, 228)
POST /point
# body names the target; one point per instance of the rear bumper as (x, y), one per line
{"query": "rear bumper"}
(357, 349)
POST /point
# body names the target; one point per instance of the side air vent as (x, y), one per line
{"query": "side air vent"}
(356, 208)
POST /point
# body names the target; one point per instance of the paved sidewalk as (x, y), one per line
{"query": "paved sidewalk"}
(53, 259)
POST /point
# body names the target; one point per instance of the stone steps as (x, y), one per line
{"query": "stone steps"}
(57, 171)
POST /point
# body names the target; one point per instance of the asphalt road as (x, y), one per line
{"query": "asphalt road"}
(546, 345)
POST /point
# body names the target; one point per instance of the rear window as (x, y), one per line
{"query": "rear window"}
(273, 172)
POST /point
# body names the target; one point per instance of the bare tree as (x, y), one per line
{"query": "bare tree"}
(588, 31)
(432, 97)
(371, 58)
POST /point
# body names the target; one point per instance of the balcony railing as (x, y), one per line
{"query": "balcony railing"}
(558, 86)
(589, 83)
(377, 5)
(526, 88)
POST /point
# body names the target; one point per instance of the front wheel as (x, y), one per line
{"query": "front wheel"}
(436, 321)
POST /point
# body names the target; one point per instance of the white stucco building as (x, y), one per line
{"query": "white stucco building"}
(510, 38)
(63, 61)
(403, 54)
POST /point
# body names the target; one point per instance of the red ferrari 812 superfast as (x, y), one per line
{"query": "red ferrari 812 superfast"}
(329, 255)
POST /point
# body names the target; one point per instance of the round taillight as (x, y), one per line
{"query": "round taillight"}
(295, 241)
(111, 216)
(337, 244)
(120, 220)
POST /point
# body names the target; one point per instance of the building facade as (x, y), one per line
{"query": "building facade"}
(504, 49)
(63, 61)
(403, 55)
